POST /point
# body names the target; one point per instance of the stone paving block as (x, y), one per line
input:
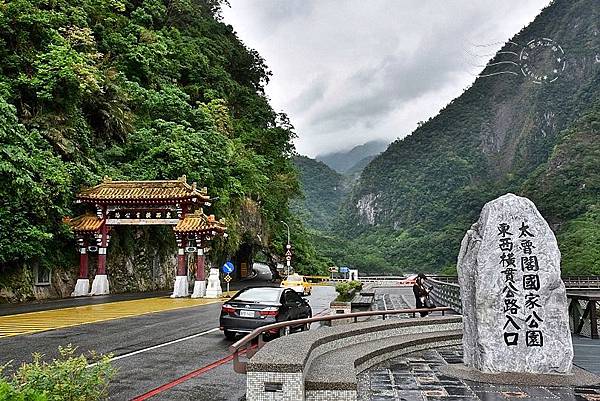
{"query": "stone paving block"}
(540, 392)
(459, 391)
(490, 396)
(451, 399)
(416, 377)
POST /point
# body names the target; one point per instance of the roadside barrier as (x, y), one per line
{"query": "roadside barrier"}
(245, 344)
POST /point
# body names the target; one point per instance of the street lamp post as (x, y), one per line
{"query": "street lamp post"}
(288, 249)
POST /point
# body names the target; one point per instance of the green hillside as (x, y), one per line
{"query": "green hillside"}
(137, 90)
(506, 133)
(323, 190)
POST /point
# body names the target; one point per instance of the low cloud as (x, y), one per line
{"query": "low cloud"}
(350, 71)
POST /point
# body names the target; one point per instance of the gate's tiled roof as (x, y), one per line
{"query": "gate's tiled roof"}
(143, 191)
(87, 223)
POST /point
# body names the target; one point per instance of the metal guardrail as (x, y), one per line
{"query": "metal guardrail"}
(445, 293)
(573, 282)
(244, 345)
(584, 311)
(374, 279)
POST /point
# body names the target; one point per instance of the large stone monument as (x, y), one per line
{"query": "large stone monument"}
(514, 301)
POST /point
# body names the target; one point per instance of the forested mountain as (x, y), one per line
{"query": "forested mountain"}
(354, 159)
(531, 130)
(136, 90)
(324, 191)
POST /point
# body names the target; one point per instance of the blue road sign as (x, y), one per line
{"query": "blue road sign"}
(344, 269)
(228, 268)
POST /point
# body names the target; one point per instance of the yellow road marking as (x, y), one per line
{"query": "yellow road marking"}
(35, 322)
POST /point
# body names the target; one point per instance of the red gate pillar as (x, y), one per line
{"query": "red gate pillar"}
(181, 280)
(181, 267)
(82, 287)
(200, 283)
(100, 284)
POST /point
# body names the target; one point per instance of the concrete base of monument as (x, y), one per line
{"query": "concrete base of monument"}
(100, 285)
(578, 377)
(199, 289)
(82, 288)
(214, 292)
(180, 290)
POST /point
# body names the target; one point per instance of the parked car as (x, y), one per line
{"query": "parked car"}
(297, 283)
(255, 307)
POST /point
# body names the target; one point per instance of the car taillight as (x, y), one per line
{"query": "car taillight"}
(269, 312)
(228, 309)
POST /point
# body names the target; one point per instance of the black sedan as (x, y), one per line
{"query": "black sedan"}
(260, 306)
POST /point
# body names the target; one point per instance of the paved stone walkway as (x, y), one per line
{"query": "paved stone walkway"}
(416, 377)
(389, 299)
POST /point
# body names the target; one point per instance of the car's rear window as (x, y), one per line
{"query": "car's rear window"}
(259, 295)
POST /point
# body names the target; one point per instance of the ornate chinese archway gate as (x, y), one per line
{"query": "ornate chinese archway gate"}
(167, 202)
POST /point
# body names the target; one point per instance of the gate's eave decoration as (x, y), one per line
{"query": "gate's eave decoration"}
(199, 223)
(168, 202)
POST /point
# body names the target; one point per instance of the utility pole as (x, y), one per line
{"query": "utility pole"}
(288, 252)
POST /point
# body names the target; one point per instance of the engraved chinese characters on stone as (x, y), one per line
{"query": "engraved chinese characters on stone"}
(514, 302)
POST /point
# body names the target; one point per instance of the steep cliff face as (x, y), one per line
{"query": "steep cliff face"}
(516, 122)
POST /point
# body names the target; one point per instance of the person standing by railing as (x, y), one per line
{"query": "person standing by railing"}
(421, 293)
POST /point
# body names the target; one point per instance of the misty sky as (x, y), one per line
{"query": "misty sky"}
(348, 71)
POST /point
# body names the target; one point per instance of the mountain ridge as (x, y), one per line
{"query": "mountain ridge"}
(416, 199)
(346, 161)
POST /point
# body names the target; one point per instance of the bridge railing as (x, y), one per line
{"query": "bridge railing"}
(374, 279)
(584, 282)
(584, 313)
(444, 293)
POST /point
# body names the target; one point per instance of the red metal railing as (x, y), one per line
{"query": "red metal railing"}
(245, 343)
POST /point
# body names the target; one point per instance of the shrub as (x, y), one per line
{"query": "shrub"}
(68, 378)
(9, 392)
(347, 289)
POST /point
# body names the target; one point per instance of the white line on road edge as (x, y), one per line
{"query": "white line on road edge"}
(116, 358)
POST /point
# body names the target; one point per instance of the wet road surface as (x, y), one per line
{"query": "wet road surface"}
(150, 353)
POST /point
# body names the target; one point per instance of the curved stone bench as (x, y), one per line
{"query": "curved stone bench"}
(323, 364)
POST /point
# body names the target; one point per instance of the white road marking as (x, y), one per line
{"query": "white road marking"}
(116, 358)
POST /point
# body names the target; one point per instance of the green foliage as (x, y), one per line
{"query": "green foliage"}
(34, 192)
(347, 289)
(449, 271)
(68, 378)
(579, 242)
(135, 90)
(323, 190)
(8, 392)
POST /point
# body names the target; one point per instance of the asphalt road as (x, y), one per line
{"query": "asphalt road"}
(149, 369)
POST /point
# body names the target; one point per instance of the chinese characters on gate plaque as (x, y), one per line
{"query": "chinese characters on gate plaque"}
(521, 285)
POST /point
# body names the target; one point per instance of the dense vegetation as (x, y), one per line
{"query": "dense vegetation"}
(323, 192)
(69, 377)
(413, 203)
(136, 89)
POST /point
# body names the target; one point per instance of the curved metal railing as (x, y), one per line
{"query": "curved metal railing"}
(445, 293)
(244, 345)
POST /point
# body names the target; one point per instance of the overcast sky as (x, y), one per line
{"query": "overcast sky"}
(348, 71)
